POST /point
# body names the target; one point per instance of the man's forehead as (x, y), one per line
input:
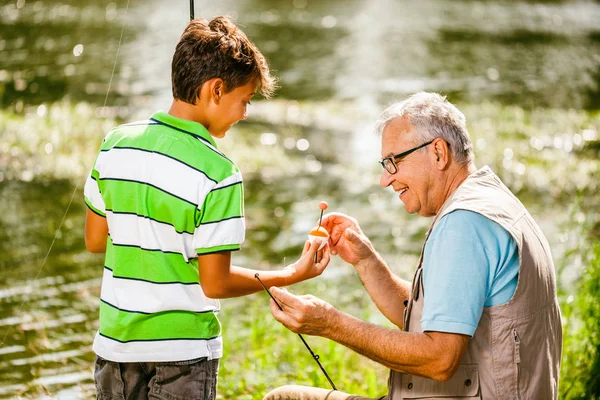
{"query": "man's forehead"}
(395, 134)
(399, 126)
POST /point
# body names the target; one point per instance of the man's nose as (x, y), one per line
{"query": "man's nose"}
(386, 178)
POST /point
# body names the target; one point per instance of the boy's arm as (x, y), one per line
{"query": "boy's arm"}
(96, 227)
(219, 279)
(96, 232)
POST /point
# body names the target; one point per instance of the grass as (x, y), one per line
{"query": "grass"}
(580, 370)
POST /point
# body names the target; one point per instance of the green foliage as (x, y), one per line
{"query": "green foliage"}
(580, 372)
(60, 140)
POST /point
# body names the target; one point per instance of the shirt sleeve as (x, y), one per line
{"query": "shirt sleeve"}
(460, 264)
(92, 195)
(221, 226)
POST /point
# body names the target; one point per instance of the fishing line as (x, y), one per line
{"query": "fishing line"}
(57, 232)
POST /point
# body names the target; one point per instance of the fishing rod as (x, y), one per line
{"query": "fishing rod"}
(314, 356)
(191, 10)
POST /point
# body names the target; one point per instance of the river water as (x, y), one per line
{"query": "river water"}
(526, 75)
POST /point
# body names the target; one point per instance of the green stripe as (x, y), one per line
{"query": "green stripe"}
(127, 326)
(94, 209)
(222, 204)
(95, 174)
(226, 247)
(148, 201)
(183, 147)
(151, 266)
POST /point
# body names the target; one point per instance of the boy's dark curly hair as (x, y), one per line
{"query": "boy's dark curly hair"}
(217, 49)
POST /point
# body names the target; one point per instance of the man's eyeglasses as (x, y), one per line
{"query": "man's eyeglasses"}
(389, 163)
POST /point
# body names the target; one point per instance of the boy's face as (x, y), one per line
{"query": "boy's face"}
(230, 109)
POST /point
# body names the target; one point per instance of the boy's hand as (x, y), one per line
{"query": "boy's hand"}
(305, 267)
(346, 238)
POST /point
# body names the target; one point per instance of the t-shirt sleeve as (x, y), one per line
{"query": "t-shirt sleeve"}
(459, 266)
(221, 226)
(92, 195)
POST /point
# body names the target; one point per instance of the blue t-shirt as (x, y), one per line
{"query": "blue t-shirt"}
(469, 263)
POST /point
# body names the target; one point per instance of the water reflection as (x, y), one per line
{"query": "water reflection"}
(514, 53)
(522, 53)
(51, 49)
(48, 306)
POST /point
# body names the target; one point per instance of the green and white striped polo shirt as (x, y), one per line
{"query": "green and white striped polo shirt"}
(168, 195)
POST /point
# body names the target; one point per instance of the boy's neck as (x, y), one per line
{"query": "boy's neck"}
(190, 112)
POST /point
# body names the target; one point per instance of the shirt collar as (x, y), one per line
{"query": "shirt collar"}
(193, 128)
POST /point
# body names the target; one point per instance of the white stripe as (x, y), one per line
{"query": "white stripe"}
(147, 297)
(157, 351)
(231, 231)
(142, 122)
(143, 232)
(163, 172)
(92, 193)
(235, 178)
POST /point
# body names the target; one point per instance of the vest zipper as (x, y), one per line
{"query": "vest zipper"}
(517, 357)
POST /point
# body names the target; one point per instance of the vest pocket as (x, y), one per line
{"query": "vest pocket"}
(464, 384)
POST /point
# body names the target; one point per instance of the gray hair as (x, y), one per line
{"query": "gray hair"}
(433, 117)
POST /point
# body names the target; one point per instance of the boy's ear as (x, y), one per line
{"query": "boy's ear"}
(217, 88)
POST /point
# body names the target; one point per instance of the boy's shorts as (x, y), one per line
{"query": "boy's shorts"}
(175, 380)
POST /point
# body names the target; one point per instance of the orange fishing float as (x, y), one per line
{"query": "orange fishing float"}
(319, 232)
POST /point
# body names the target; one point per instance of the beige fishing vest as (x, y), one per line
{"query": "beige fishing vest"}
(516, 349)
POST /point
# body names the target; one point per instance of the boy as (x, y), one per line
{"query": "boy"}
(167, 208)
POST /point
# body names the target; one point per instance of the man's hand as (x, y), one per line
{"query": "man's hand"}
(305, 267)
(302, 314)
(346, 238)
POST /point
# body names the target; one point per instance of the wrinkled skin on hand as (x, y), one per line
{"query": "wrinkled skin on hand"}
(301, 314)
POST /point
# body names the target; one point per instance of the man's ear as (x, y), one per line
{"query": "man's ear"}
(442, 153)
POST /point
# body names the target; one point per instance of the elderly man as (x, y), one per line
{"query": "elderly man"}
(480, 318)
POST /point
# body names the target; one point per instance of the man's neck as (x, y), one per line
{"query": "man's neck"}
(455, 178)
